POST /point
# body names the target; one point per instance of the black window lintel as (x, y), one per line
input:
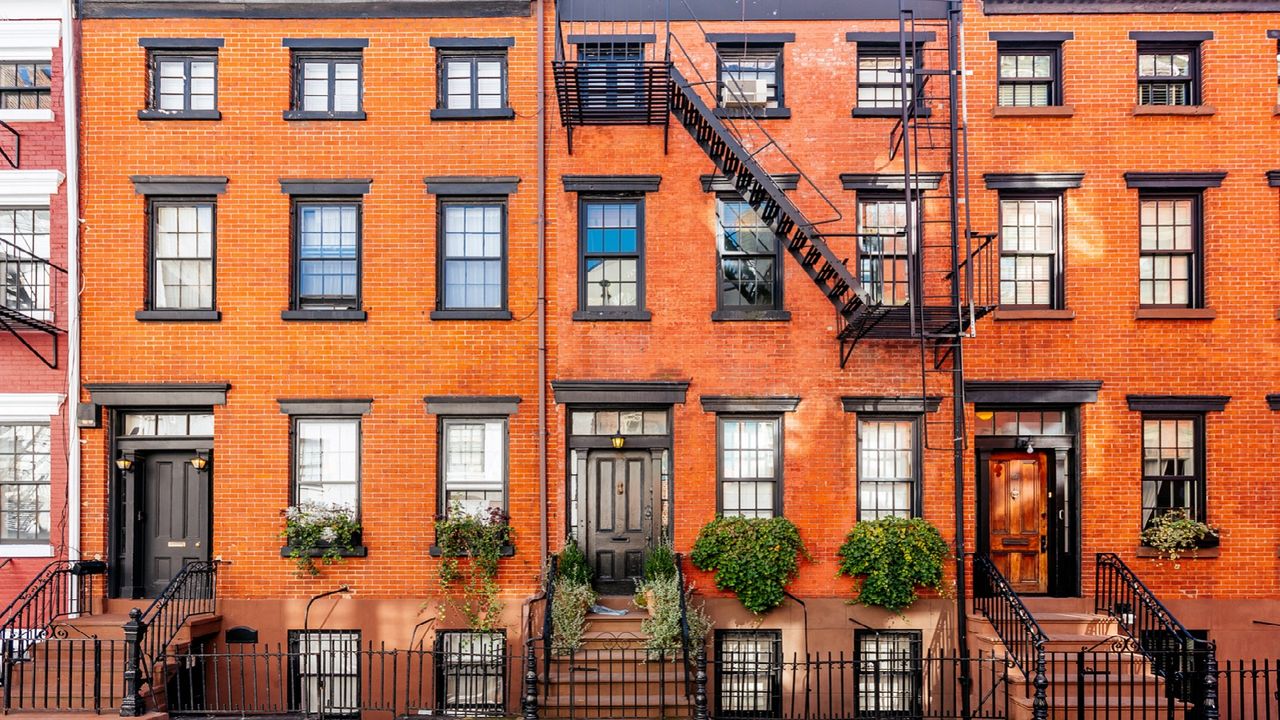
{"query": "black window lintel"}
(170, 43)
(325, 187)
(890, 405)
(326, 43)
(458, 185)
(720, 183)
(1031, 37)
(158, 394)
(1174, 180)
(472, 43)
(738, 404)
(179, 184)
(627, 39)
(326, 407)
(486, 405)
(611, 183)
(656, 392)
(1273, 401)
(1178, 403)
(888, 182)
(1033, 181)
(886, 38)
(751, 38)
(1171, 36)
(1273, 178)
(1034, 392)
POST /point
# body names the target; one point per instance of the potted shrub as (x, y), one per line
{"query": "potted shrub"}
(894, 556)
(1172, 534)
(754, 558)
(327, 531)
(572, 599)
(662, 627)
(658, 565)
(470, 545)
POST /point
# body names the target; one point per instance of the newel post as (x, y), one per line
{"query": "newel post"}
(529, 704)
(700, 685)
(1210, 705)
(1040, 705)
(132, 704)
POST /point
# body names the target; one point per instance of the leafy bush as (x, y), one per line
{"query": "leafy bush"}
(470, 548)
(571, 563)
(895, 556)
(311, 526)
(660, 563)
(662, 627)
(569, 608)
(1174, 532)
(754, 558)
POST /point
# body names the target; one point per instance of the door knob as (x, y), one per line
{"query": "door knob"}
(1044, 543)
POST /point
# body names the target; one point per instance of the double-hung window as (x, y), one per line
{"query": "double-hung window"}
(327, 254)
(881, 75)
(888, 467)
(1029, 75)
(612, 260)
(1172, 466)
(888, 673)
(26, 85)
(327, 461)
(884, 248)
(182, 252)
(184, 83)
(473, 461)
(473, 263)
(24, 268)
(328, 80)
(750, 78)
(1168, 73)
(325, 669)
(1030, 251)
(748, 673)
(24, 482)
(1169, 265)
(750, 466)
(473, 82)
(750, 267)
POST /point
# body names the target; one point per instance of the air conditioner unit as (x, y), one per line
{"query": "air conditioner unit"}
(740, 92)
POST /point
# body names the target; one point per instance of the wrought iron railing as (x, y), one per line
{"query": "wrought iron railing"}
(1114, 678)
(687, 644)
(613, 676)
(71, 674)
(150, 633)
(1154, 631)
(27, 287)
(1021, 635)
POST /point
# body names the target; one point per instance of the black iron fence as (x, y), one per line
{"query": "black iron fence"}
(66, 675)
(996, 599)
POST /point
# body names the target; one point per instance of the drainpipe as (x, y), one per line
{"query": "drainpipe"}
(542, 280)
(71, 129)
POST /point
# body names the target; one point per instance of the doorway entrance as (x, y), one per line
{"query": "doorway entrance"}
(1018, 538)
(176, 521)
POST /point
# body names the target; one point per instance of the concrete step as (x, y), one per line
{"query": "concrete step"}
(1151, 706)
(1076, 623)
(1038, 604)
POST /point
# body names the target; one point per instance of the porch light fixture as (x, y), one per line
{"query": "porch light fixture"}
(125, 463)
(1026, 445)
(618, 441)
(199, 462)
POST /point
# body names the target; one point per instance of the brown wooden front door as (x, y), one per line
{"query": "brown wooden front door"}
(620, 518)
(1018, 519)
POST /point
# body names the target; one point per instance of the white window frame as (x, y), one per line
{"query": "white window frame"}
(39, 408)
(493, 475)
(30, 41)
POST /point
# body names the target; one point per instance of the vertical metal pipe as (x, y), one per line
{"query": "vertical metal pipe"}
(543, 524)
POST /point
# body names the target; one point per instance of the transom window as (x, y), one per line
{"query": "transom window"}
(1030, 229)
(612, 254)
(327, 461)
(473, 82)
(471, 673)
(1168, 264)
(1029, 76)
(749, 673)
(24, 482)
(328, 255)
(888, 672)
(1020, 422)
(182, 83)
(750, 276)
(750, 76)
(328, 83)
(619, 422)
(880, 76)
(182, 255)
(1168, 74)
(24, 272)
(750, 466)
(26, 85)
(167, 424)
(474, 261)
(1172, 476)
(883, 249)
(888, 474)
(326, 672)
(474, 460)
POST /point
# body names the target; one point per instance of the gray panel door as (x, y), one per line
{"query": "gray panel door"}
(176, 520)
(620, 518)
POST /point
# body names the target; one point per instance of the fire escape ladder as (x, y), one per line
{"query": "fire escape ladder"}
(28, 296)
(757, 187)
(11, 147)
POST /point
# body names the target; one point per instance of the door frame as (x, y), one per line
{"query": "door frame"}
(126, 492)
(1062, 496)
(653, 501)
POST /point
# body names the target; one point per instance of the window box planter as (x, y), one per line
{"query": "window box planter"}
(357, 551)
(1205, 549)
(506, 551)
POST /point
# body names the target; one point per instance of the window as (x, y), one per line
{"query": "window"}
(1030, 76)
(612, 272)
(184, 83)
(26, 85)
(474, 464)
(328, 85)
(473, 261)
(1172, 466)
(883, 249)
(326, 672)
(327, 461)
(750, 265)
(888, 668)
(1168, 264)
(1020, 422)
(471, 673)
(619, 422)
(611, 75)
(24, 482)
(167, 424)
(880, 75)
(473, 82)
(750, 76)
(182, 238)
(749, 673)
(750, 466)
(1030, 232)
(327, 264)
(24, 254)
(1168, 74)
(888, 468)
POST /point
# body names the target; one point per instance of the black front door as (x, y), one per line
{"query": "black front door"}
(620, 517)
(175, 521)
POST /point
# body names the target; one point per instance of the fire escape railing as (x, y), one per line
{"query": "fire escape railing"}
(29, 297)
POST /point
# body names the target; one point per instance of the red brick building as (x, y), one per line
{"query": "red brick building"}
(38, 512)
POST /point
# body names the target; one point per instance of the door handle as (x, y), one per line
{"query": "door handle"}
(1044, 543)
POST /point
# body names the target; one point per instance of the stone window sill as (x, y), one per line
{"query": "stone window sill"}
(357, 551)
(153, 114)
(325, 315)
(178, 315)
(1005, 314)
(27, 115)
(1195, 110)
(1053, 111)
(506, 551)
(750, 315)
(480, 114)
(304, 115)
(614, 315)
(470, 314)
(887, 112)
(26, 550)
(1200, 554)
(779, 113)
(1175, 313)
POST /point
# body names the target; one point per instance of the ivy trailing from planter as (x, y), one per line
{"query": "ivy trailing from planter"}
(1174, 533)
(894, 556)
(314, 529)
(572, 599)
(754, 558)
(470, 547)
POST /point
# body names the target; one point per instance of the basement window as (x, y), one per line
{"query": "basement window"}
(888, 673)
(748, 673)
(325, 670)
(471, 677)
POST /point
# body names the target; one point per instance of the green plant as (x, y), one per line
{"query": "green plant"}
(754, 558)
(330, 529)
(470, 547)
(571, 563)
(1174, 532)
(660, 562)
(662, 627)
(571, 599)
(894, 556)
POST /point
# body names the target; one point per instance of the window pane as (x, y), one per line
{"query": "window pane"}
(473, 262)
(748, 77)
(24, 482)
(748, 466)
(883, 250)
(24, 278)
(886, 469)
(748, 253)
(474, 462)
(611, 238)
(1170, 467)
(328, 248)
(327, 460)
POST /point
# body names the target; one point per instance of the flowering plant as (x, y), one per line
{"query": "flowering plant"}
(312, 529)
(471, 543)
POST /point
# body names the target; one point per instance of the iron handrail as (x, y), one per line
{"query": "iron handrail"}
(193, 591)
(686, 641)
(996, 599)
(48, 597)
